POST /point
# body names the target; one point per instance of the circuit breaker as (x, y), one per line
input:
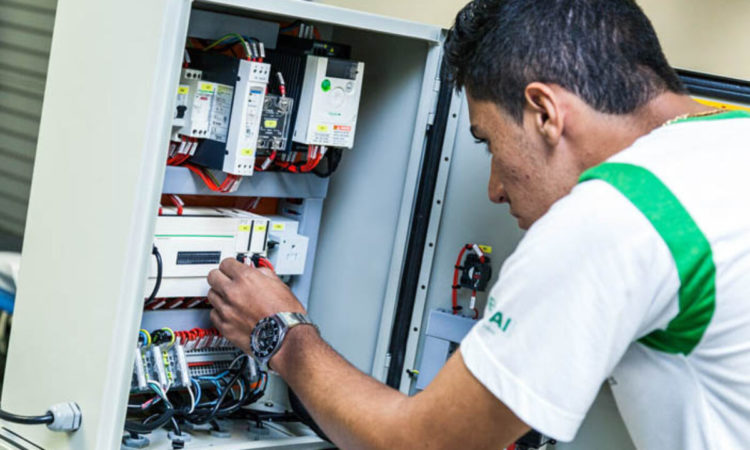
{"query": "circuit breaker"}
(193, 109)
(329, 103)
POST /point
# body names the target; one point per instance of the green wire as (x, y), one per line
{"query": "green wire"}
(228, 36)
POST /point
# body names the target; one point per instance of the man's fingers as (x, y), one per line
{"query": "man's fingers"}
(232, 268)
(217, 320)
(215, 299)
(267, 272)
(218, 281)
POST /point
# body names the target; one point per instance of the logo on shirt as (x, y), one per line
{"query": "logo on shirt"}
(501, 322)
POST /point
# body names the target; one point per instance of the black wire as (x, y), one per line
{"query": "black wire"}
(145, 428)
(176, 425)
(159, 270)
(330, 162)
(45, 419)
(216, 408)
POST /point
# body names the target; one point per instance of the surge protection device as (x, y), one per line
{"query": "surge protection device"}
(329, 102)
(236, 111)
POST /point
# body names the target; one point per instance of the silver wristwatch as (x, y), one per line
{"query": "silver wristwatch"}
(269, 334)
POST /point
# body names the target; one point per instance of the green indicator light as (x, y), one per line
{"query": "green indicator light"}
(326, 85)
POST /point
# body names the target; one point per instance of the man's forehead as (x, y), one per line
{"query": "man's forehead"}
(476, 110)
(483, 116)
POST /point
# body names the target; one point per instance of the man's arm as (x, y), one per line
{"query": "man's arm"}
(356, 411)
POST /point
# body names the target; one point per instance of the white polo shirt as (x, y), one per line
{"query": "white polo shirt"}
(640, 276)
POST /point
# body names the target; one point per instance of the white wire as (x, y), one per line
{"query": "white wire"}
(237, 359)
(192, 398)
(158, 390)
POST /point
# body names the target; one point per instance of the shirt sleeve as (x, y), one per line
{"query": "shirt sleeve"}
(588, 279)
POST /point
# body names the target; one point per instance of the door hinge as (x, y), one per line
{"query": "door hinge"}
(430, 120)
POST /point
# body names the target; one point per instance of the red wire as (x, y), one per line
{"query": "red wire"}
(177, 204)
(271, 158)
(227, 183)
(180, 158)
(455, 277)
(263, 262)
(223, 187)
(208, 182)
(309, 165)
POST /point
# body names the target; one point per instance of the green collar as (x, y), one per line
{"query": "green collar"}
(733, 114)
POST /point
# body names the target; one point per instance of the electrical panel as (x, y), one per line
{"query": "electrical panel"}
(240, 110)
(330, 102)
(237, 109)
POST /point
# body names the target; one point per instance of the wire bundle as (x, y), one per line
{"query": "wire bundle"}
(230, 184)
(181, 151)
(456, 286)
(208, 397)
(314, 155)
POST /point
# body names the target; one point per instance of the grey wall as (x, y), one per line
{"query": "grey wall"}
(25, 38)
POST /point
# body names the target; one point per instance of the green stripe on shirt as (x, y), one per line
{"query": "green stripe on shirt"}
(687, 244)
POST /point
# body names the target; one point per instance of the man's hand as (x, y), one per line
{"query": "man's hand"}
(356, 411)
(241, 296)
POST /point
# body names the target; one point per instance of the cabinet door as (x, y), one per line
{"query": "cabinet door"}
(98, 172)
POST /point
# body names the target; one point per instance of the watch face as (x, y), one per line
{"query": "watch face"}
(265, 337)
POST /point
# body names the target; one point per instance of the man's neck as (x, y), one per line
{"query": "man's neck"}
(615, 133)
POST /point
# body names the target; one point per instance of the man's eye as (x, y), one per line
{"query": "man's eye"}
(480, 141)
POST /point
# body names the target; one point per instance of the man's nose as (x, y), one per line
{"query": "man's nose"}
(496, 192)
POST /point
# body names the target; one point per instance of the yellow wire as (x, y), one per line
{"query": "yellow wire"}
(227, 36)
(174, 337)
(148, 337)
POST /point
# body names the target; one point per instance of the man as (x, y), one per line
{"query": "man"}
(634, 268)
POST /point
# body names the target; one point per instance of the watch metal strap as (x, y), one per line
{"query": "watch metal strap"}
(292, 319)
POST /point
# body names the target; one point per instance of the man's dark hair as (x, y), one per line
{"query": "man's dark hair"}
(604, 51)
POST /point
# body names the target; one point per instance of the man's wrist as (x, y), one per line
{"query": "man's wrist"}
(295, 342)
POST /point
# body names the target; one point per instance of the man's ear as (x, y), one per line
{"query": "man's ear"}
(546, 111)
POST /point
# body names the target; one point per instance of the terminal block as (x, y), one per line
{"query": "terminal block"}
(193, 353)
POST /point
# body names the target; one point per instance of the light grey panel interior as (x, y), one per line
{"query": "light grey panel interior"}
(361, 211)
(25, 39)
(603, 427)
(468, 217)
